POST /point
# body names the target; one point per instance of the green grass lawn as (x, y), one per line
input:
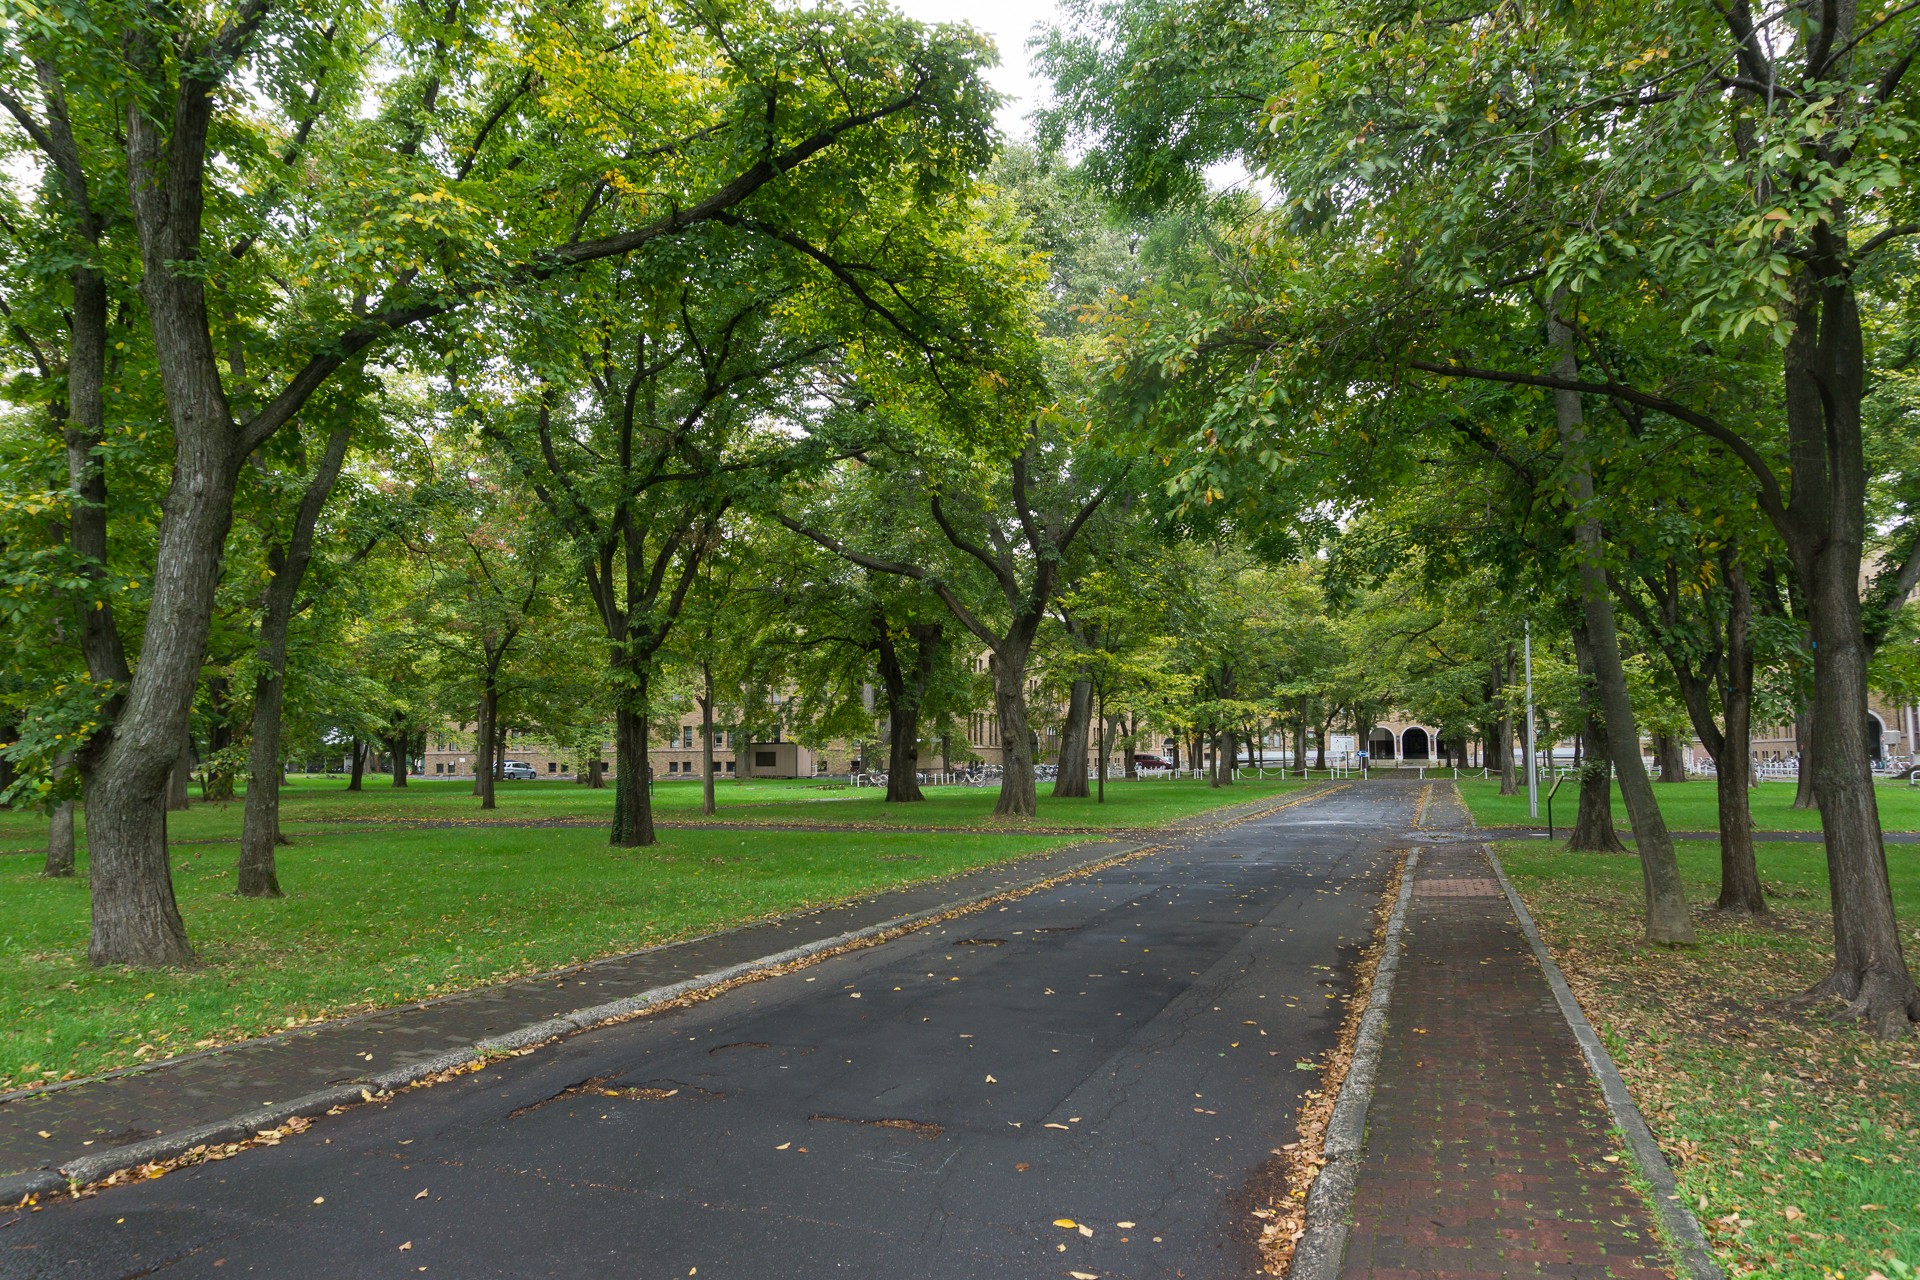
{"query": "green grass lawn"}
(310, 804)
(377, 917)
(1794, 1139)
(1688, 806)
(386, 918)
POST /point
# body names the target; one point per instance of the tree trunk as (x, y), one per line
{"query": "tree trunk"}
(1106, 736)
(135, 919)
(706, 736)
(59, 841)
(1667, 916)
(59, 862)
(906, 691)
(1666, 752)
(1132, 771)
(484, 749)
(1593, 830)
(1071, 780)
(260, 829)
(1804, 796)
(257, 875)
(397, 759)
(1869, 969)
(633, 806)
(182, 777)
(359, 764)
(1018, 796)
(1503, 726)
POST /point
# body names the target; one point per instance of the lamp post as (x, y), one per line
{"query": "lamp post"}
(1533, 776)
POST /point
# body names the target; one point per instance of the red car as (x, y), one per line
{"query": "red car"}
(1143, 761)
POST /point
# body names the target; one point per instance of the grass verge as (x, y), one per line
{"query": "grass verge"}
(1795, 1139)
(380, 919)
(312, 805)
(1687, 806)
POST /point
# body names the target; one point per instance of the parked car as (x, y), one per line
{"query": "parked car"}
(518, 770)
(1144, 760)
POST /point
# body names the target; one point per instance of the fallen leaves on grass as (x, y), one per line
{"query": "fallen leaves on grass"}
(1786, 1130)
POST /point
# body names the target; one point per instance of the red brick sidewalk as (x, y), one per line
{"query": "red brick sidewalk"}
(1489, 1150)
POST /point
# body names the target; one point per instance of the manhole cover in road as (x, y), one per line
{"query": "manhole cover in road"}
(1457, 888)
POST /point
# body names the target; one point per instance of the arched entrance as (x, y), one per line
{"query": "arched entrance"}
(1875, 733)
(1380, 744)
(1413, 744)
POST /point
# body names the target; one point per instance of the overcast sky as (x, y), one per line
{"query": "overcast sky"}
(1008, 23)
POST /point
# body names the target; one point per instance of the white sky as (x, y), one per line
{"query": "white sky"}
(1008, 23)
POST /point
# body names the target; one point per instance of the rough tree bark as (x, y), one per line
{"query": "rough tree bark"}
(258, 876)
(1667, 916)
(357, 766)
(906, 691)
(1666, 753)
(1804, 796)
(1593, 830)
(1071, 780)
(181, 778)
(706, 730)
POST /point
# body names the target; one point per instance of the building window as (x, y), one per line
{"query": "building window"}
(673, 766)
(765, 759)
(686, 736)
(729, 766)
(439, 768)
(553, 766)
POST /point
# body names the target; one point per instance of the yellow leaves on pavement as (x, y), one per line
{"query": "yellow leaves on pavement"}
(319, 1199)
(783, 1146)
(403, 1248)
(422, 1195)
(991, 1080)
(1068, 1223)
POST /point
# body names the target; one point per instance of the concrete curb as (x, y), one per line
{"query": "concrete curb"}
(92, 1168)
(1682, 1228)
(1317, 1254)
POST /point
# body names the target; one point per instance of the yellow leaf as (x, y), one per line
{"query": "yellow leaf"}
(422, 1195)
(1068, 1223)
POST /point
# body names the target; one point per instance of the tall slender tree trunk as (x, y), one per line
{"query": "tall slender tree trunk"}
(59, 863)
(485, 748)
(1804, 796)
(397, 760)
(1593, 829)
(182, 777)
(260, 829)
(1667, 917)
(1071, 779)
(358, 767)
(706, 733)
(1504, 726)
(1740, 889)
(1106, 736)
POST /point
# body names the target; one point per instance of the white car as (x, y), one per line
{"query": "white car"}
(518, 770)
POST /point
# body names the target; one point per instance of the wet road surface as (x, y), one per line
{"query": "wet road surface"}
(1121, 1048)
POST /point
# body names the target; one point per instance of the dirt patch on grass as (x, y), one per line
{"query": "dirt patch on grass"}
(1795, 1138)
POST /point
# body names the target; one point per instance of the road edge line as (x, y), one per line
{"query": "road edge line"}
(1684, 1236)
(1317, 1254)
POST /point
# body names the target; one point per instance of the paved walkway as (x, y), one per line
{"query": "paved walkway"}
(1489, 1150)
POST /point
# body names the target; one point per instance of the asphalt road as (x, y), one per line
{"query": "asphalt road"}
(1118, 1049)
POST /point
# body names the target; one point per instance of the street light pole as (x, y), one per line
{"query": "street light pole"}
(1533, 774)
